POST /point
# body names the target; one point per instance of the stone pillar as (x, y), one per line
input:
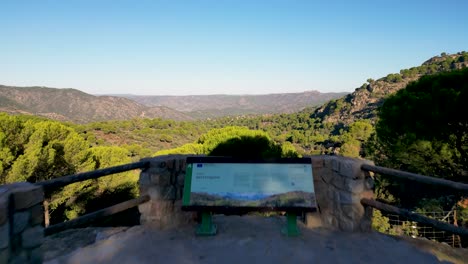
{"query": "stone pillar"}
(163, 181)
(340, 184)
(21, 223)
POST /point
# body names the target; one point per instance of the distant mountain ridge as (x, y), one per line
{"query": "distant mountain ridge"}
(76, 106)
(203, 106)
(364, 102)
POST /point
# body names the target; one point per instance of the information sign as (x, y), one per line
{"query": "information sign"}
(258, 184)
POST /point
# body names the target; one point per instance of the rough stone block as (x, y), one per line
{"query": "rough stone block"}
(313, 220)
(144, 179)
(147, 219)
(158, 193)
(144, 208)
(337, 181)
(4, 191)
(346, 225)
(353, 212)
(161, 208)
(27, 197)
(37, 215)
(330, 222)
(326, 219)
(161, 164)
(326, 175)
(32, 237)
(327, 161)
(366, 221)
(177, 217)
(353, 185)
(335, 164)
(3, 210)
(180, 192)
(181, 179)
(351, 168)
(369, 194)
(346, 198)
(155, 193)
(144, 190)
(4, 255)
(317, 162)
(321, 197)
(317, 174)
(15, 242)
(369, 183)
(170, 164)
(4, 235)
(162, 178)
(35, 256)
(20, 258)
(182, 164)
(20, 221)
(170, 193)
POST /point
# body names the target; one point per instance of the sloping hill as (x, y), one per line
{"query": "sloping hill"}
(363, 103)
(76, 106)
(225, 105)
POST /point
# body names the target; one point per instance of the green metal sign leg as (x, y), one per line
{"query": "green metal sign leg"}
(291, 229)
(206, 227)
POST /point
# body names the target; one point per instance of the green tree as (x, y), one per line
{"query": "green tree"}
(44, 154)
(248, 147)
(422, 127)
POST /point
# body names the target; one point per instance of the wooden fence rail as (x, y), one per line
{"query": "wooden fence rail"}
(408, 214)
(417, 177)
(415, 217)
(53, 184)
(88, 218)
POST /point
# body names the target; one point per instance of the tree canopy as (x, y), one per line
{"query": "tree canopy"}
(424, 127)
(235, 141)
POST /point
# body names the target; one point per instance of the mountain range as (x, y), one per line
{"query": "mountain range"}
(203, 106)
(364, 102)
(337, 108)
(76, 106)
(79, 107)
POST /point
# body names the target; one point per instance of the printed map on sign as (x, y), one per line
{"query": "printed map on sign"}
(255, 184)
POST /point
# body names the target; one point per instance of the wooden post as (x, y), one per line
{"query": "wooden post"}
(46, 213)
(415, 217)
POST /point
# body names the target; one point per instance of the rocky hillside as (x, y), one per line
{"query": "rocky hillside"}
(76, 106)
(224, 105)
(365, 100)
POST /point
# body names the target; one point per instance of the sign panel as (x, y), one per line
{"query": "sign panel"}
(249, 185)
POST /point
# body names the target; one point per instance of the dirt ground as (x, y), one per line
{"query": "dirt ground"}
(246, 239)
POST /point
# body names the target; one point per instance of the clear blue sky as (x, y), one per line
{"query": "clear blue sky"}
(214, 47)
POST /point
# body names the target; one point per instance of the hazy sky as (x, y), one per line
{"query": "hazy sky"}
(213, 47)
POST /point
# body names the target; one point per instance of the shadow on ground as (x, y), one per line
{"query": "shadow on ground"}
(246, 239)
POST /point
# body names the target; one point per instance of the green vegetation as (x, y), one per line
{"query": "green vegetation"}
(422, 129)
(236, 142)
(34, 149)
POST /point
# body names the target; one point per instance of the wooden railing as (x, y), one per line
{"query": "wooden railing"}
(461, 187)
(54, 184)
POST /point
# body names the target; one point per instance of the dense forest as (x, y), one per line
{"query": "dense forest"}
(413, 120)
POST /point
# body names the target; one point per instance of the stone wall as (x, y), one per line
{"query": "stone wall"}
(21, 223)
(163, 181)
(339, 185)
